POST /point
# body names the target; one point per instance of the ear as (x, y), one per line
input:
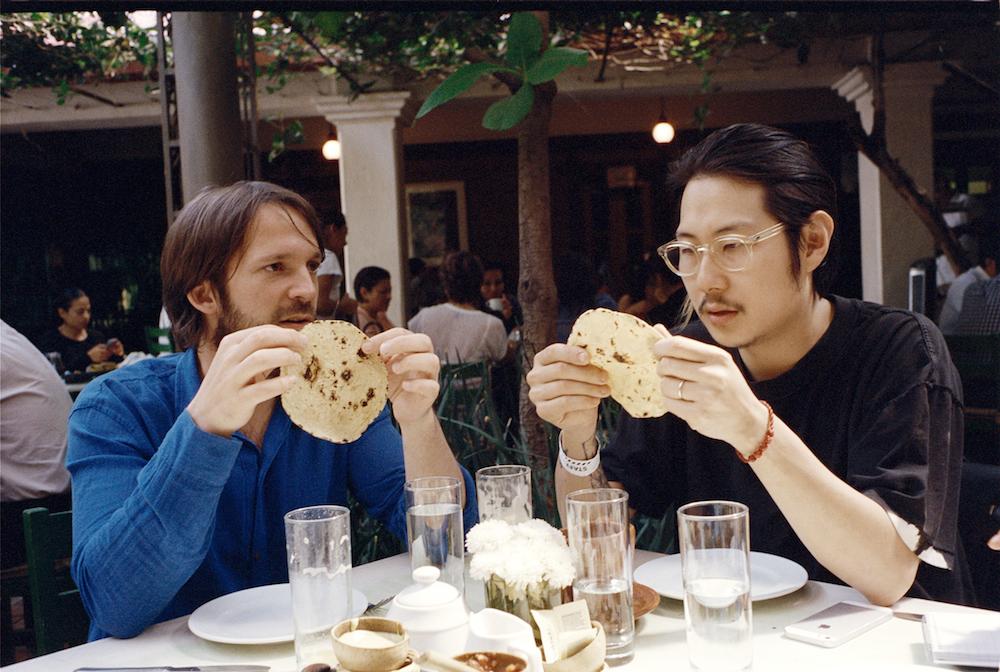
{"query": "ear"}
(814, 240)
(205, 299)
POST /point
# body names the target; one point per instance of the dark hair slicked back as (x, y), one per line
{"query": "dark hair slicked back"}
(794, 181)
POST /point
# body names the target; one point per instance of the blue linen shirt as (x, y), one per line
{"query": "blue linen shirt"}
(167, 517)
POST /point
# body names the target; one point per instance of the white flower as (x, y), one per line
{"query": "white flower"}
(525, 555)
(488, 535)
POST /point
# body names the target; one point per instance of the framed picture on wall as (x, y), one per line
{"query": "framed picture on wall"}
(435, 219)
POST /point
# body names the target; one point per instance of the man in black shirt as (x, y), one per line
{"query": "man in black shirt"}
(837, 421)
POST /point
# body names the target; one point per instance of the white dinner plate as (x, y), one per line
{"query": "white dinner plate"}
(261, 615)
(770, 576)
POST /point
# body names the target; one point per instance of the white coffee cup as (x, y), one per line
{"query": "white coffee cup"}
(495, 630)
(495, 304)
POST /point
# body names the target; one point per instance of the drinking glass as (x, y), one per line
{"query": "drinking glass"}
(434, 526)
(504, 493)
(715, 565)
(598, 530)
(318, 542)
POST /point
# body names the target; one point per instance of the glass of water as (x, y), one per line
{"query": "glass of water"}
(597, 526)
(434, 527)
(318, 542)
(715, 563)
(504, 493)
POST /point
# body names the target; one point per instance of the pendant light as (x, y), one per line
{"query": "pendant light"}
(331, 148)
(663, 131)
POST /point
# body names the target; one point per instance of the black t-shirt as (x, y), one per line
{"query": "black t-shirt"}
(877, 400)
(74, 353)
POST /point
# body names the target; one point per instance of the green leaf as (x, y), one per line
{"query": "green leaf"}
(524, 40)
(554, 61)
(328, 23)
(457, 84)
(508, 113)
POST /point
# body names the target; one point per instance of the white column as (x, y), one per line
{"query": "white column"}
(371, 186)
(892, 236)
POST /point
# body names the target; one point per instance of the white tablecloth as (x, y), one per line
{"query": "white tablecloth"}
(660, 643)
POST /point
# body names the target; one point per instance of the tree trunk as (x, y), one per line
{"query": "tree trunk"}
(536, 287)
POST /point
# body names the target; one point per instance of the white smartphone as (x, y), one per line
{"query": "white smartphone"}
(838, 624)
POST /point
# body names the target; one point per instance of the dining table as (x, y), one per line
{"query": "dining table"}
(897, 644)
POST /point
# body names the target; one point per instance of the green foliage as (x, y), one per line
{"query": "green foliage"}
(528, 65)
(459, 83)
(61, 50)
(553, 61)
(524, 40)
(288, 134)
(508, 112)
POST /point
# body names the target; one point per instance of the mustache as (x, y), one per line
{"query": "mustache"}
(717, 302)
(298, 309)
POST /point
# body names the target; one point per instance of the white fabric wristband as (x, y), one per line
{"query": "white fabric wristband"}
(581, 467)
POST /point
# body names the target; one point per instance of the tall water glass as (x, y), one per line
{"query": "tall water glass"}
(318, 542)
(504, 493)
(434, 526)
(597, 525)
(715, 564)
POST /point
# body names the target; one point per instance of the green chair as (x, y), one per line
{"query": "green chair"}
(977, 359)
(159, 340)
(57, 609)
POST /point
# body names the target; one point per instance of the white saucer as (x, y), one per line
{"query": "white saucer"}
(261, 615)
(770, 576)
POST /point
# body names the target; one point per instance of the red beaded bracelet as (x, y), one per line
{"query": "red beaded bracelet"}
(765, 442)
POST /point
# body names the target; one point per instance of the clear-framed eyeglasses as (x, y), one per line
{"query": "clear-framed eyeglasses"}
(730, 252)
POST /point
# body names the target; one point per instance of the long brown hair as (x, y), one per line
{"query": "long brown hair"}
(210, 231)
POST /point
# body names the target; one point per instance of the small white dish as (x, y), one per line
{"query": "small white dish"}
(261, 615)
(770, 576)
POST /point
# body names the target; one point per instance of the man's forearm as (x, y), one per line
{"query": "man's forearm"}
(847, 532)
(142, 528)
(426, 451)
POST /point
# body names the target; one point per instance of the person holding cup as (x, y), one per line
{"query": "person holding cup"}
(183, 467)
(838, 422)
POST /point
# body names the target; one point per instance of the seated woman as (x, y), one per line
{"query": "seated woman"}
(459, 330)
(78, 345)
(373, 290)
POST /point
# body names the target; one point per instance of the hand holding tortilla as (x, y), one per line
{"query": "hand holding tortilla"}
(622, 345)
(340, 389)
(236, 381)
(413, 371)
(702, 385)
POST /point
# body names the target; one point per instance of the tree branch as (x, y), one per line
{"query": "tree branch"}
(609, 30)
(913, 195)
(877, 57)
(295, 28)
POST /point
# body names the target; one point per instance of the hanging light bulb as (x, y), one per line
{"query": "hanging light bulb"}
(331, 148)
(663, 131)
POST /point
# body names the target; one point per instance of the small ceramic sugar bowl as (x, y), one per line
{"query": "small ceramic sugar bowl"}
(433, 613)
(370, 644)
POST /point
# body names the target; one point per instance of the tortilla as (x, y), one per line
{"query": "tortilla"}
(342, 390)
(622, 345)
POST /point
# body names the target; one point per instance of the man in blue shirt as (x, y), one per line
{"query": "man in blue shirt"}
(184, 466)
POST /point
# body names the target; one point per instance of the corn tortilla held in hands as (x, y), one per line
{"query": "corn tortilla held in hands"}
(341, 389)
(622, 345)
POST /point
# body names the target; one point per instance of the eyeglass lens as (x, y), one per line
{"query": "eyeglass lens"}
(731, 254)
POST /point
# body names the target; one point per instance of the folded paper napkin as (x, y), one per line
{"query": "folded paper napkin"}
(963, 639)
